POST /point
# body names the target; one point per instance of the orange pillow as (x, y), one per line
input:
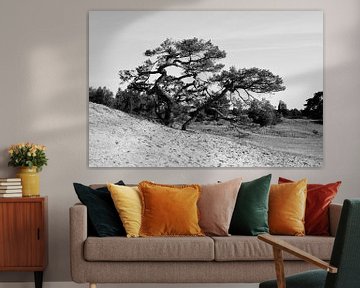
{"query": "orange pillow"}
(319, 197)
(169, 210)
(287, 204)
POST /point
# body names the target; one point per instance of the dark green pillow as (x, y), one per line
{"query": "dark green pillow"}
(102, 215)
(250, 216)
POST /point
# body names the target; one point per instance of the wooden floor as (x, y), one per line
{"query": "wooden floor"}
(74, 285)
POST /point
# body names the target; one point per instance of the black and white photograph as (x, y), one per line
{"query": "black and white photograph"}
(205, 88)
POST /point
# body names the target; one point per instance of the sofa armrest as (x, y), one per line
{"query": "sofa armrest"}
(334, 217)
(78, 235)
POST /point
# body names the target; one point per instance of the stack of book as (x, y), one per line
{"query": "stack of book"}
(10, 187)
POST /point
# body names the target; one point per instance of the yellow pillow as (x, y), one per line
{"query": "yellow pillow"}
(169, 210)
(127, 201)
(287, 204)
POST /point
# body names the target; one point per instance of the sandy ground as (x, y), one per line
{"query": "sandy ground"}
(117, 139)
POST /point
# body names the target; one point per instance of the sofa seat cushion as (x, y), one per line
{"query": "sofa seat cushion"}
(244, 248)
(149, 249)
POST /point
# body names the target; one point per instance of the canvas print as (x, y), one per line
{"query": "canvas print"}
(205, 88)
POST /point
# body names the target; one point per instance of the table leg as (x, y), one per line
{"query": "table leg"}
(38, 279)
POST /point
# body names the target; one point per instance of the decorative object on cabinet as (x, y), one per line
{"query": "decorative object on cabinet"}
(30, 158)
(10, 187)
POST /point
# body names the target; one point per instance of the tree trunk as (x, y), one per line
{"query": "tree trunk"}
(195, 113)
(168, 115)
(184, 125)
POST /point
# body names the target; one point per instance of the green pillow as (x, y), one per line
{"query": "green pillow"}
(250, 216)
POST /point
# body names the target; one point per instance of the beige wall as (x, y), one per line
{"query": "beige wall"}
(43, 90)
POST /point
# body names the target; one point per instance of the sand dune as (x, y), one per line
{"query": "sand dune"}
(117, 139)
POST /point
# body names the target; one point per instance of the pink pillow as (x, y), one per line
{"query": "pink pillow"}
(216, 205)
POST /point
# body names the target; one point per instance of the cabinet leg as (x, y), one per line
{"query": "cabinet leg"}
(38, 279)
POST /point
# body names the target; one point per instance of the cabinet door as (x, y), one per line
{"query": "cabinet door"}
(21, 234)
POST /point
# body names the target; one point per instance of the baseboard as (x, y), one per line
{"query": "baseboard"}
(74, 285)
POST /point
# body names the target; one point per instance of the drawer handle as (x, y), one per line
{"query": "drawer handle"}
(38, 234)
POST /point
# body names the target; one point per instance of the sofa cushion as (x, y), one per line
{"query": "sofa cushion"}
(102, 216)
(244, 248)
(169, 210)
(127, 201)
(149, 249)
(216, 206)
(287, 204)
(318, 199)
(250, 215)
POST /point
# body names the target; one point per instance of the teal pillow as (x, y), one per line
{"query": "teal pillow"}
(250, 216)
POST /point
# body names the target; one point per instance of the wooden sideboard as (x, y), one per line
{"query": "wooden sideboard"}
(23, 235)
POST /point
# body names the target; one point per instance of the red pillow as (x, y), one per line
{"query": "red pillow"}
(319, 197)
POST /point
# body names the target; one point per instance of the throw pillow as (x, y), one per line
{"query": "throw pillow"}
(169, 210)
(127, 201)
(216, 206)
(102, 215)
(250, 215)
(287, 208)
(319, 197)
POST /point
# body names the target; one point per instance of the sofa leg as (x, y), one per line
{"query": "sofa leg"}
(92, 285)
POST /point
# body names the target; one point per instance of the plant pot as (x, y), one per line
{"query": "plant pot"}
(30, 181)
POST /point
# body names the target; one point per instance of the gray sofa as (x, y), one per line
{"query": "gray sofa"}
(234, 259)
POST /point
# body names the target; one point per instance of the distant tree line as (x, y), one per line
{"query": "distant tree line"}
(258, 111)
(101, 95)
(313, 108)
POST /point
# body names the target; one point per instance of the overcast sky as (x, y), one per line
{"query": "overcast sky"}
(288, 43)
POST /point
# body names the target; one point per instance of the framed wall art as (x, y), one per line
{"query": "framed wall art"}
(205, 88)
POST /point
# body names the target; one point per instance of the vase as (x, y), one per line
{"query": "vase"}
(30, 181)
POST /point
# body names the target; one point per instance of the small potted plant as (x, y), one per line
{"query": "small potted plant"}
(30, 158)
